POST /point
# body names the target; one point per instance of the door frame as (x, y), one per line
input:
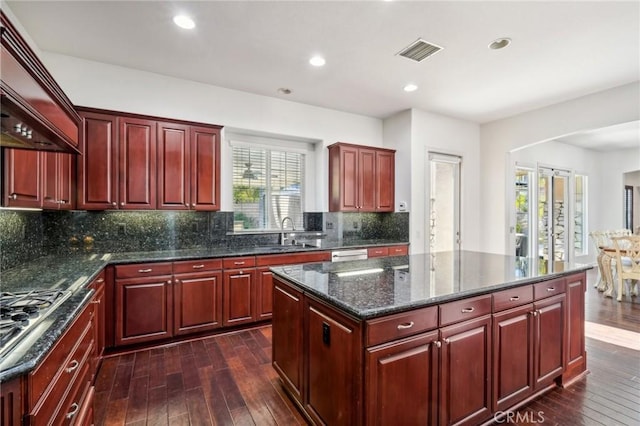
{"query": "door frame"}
(444, 156)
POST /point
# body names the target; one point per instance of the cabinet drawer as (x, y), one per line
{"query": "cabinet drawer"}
(60, 356)
(513, 297)
(239, 262)
(74, 374)
(143, 270)
(465, 309)
(380, 330)
(548, 288)
(378, 252)
(197, 266)
(293, 258)
(398, 250)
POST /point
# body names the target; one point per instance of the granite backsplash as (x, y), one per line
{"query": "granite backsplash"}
(26, 235)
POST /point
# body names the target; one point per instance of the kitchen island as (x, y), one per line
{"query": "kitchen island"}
(426, 339)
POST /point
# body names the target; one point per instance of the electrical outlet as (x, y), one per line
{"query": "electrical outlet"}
(122, 229)
(329, 225)
(355, 225)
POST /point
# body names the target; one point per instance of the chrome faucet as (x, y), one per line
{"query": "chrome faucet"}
(293, 228)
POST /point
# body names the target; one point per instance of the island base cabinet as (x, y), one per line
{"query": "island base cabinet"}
(287, 330)
(333, 394)
(401, 380)
(549, 340)
(576, 354)
(465, 372)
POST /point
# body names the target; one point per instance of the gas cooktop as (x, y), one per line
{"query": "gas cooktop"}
(20, 311)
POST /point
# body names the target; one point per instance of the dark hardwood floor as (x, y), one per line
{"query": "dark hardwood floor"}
(228, 380)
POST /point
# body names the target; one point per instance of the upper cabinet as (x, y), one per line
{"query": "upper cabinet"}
(36, 114)
(138, 162)
(361, 178)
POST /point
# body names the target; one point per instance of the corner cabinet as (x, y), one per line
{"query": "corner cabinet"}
(142, 163)
(361, 178)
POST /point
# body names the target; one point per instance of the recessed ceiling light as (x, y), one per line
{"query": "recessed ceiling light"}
(317, 61)
(183, 21)
(500, 43)
(285, 91)
(410, 87)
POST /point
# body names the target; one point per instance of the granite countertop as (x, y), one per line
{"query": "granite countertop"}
(380, 286)
(73, 271)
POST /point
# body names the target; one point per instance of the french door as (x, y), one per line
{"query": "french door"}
(553, 214)
(444, 202)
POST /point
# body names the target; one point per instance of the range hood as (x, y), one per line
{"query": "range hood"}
(34, 111)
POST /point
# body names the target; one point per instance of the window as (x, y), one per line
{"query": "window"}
(268, 186)
(580, 216)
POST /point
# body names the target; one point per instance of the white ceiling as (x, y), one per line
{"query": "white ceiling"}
(612, 138)
(560, 50)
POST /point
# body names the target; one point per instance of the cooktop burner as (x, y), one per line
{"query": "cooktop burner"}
(20, 311)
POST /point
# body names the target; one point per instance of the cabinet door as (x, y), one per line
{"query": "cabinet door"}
(366, 180)
(143, 309)
(512, 356)
(238, 296)
(466, 392)
(401, 382)
(385, 177)
(549, 342)
(137, 145)
(287, 349)
(11, 402)
(57, 181)
(264, 294)
(205, 168)
(197, 302)
(343, 178)
(576, 355)
(334, 367)
(23, 178)
(173, 167)
(66, 181)
(97, 178)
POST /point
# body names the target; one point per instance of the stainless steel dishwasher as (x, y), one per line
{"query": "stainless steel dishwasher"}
(345, 255)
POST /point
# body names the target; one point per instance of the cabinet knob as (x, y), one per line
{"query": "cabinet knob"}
(13, 196)
(122, 203)
(113, 204)
(193, 204)
(446, 341)
(534, 313)
(437, 343)
(74, 410)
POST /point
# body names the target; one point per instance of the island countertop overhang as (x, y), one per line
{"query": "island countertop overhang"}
(367, 289)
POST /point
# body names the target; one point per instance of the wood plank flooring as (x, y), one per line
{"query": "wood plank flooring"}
(228, 380)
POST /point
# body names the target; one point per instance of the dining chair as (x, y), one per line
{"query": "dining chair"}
(627, 263)
(600, 240)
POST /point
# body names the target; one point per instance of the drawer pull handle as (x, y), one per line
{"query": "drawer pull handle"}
(468, 310)
(95, 302)
(198, 266)
(145, 271)
(514, 298)
(72, 366)
(100, 280)
(405, 326)
(73, 411)
(238, 263)
(551, 289)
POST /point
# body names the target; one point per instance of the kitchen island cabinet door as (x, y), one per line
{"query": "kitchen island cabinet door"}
(576, 354)
(513, 343)
(22, 178)
(238, 296)
(333, 394)
(197, 302)
(465, 372)
(205, 168)
(137, 163)
(549, 340)
(173, 167)
(97, 166)
(144, 309)
(401, 382)
(287, 350)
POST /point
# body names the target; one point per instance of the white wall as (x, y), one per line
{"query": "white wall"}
(100, 85)
(434, 132)
(615, 164)
(397, 135)
(602, 109)
(633, 179)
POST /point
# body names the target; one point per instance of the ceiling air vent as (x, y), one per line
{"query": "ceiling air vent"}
(419, 50)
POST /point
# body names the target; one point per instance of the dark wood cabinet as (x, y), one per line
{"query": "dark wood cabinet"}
(143, 306)
(402, 381)
(238, 296)
(361, 178)
(197, 300)
(58, 181)
(549, 340)
(205, 167)
(465, 393)
(333, 393)
(576, 355)
(22, 178)
(97, 176)
(99, 318)
(173, 167)
(137, 163)
(264, 293)
(287, 356)
(12, 402)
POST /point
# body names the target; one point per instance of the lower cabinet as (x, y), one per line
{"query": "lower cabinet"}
(197, 302)
(12, 402)
(549, 340)
(98, 285)
(239, 296)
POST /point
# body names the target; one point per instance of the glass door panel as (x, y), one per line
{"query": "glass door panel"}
(524, 187)
(553, 201)
(444, 203)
